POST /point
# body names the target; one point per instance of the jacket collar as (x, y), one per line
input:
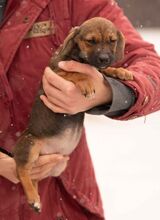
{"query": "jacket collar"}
(11, 6)
(9, 10)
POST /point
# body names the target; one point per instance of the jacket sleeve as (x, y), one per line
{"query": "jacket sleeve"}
(123, 98)
(140, 56)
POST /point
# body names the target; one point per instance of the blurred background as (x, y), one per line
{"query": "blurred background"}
(142, 13)
(126, 155)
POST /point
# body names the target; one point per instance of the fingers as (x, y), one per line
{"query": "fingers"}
(73, 66)
(55, 80)
(46, 164)
(57, 100)
(58, 91)
(42, 174)
(69, 108)
(8, 169)
(62, 96)
(54, 95)
(51, 106)
(2, 155)
(52, 158)
(14, 180)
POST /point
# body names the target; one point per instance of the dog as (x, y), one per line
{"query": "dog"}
(96, 42)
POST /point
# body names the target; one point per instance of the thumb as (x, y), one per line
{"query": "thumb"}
(45, 159)
(58, 158)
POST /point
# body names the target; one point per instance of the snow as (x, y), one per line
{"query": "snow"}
(126, 160)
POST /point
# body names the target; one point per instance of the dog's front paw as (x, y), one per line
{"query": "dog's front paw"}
(87, 88)
(82, 81)
(124, 74)
(119, 73)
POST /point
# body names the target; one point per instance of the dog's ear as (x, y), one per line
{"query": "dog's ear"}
(65, 49)
(69, 43)
(120, 46)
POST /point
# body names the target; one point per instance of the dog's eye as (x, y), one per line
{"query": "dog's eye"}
(91, 41)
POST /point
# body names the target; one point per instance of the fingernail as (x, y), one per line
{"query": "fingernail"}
(42, 97)
(61, 63)
(60, 157)
(47, 69)
(67, 158)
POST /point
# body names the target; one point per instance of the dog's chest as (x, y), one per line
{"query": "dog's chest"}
(63, 144)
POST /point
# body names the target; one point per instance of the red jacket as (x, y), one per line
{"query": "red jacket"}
(74, 195)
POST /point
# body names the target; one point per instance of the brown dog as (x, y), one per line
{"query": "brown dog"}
(96, 42)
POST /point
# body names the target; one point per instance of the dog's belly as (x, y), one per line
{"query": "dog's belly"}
(63, 143)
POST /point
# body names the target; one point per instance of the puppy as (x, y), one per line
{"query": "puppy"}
(96, 42)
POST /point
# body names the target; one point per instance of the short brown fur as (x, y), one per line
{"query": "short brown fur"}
(96, 42)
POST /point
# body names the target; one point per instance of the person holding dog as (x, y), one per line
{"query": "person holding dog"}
(30, 32)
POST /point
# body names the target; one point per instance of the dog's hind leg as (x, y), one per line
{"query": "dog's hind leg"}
(29, 188)
(26, 153)
(35, 184)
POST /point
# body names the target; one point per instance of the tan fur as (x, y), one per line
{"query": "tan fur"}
(93, 37)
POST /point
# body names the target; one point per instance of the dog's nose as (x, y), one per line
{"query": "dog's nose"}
(104, 59)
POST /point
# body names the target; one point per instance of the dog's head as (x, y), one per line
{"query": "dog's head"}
(96, 42)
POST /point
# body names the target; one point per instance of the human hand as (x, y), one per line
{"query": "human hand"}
(8, 168)
(48, 165)
(63, 96)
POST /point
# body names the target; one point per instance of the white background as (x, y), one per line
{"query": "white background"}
(126, 160)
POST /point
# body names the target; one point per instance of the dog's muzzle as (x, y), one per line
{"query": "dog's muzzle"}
(101, 60)
(98, 60)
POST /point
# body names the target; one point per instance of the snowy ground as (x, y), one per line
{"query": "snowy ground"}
(126, 157)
